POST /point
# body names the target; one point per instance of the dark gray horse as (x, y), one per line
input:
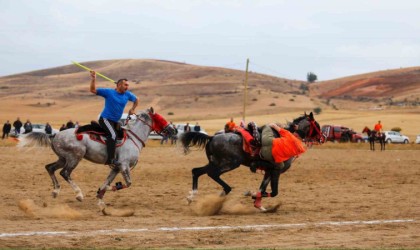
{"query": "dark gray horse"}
(225, 153)
(373, 136)
(71, 148)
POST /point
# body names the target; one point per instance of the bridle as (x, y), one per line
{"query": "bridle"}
(152, 128)
(319, 138)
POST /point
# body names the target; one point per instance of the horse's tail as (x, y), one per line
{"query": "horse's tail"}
(194, 139)
(34, 139)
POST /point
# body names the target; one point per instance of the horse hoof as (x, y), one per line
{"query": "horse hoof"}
(101, 205)
(104, 212)
(54, 194)
(262, 209)
(248, 193)
(189, 200)
(79, 198)
(270, 209)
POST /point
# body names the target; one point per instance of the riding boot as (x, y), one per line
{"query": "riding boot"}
(110, 146)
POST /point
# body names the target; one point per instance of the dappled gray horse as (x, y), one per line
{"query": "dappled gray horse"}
(71, 148)
(225, 153)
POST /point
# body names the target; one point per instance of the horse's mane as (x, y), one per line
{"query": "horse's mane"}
(299, 119)
(290, 125)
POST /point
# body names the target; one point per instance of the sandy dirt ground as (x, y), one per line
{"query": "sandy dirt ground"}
(344, 198)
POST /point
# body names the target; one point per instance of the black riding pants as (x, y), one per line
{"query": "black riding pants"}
(111, 136)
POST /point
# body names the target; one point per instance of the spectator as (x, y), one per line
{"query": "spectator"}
(17, 125)
(70, 124)
(164, 139)
(6, 129)
(76, 125)
(48, 129)
(63, 127)
(174, 137)
(187, 128)
(197, 127)
(27, 126)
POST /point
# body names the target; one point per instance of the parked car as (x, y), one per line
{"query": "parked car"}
(395, 137)
(418, 139)
(36, 127)
(338, 133)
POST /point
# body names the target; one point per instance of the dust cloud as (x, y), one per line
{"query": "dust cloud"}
(208, 205)
(118, 212)
(61, 211)
(213, 204)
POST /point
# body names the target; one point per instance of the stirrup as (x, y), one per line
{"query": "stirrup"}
(113, 163)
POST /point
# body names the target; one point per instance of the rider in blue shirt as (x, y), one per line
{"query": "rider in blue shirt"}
(115, 102)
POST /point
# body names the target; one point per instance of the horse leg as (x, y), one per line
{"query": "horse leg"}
(196, 173)
(66, 172)
(51, 168)
(215, 172)
(106, 186)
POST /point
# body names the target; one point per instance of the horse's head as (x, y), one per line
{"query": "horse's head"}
(159, 124)
(307, 128)
(366, 130)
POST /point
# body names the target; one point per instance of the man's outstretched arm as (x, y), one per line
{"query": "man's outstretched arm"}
(93, 82)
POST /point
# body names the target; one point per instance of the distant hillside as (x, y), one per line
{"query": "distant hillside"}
(191, 92)
(398, 85)
(172, 87)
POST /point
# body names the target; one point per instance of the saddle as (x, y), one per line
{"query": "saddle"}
(251, 139)
(97, 133)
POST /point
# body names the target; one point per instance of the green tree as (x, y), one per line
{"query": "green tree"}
(311, 77)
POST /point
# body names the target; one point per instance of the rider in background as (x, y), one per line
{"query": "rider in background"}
(378, 127)
(230, 125)
(115, 101)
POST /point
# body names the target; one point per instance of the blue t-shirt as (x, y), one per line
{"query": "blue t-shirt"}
(114, 102)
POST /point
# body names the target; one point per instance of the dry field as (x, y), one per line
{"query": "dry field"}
(342, 196)
(335, 195)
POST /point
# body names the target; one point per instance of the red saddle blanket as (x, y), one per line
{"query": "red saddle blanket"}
(247, 139)
(99, 136)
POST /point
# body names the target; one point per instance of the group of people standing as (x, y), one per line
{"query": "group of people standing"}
(68, 125)
(17, 125)
(27, 127)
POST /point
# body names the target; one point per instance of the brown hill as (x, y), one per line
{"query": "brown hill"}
(184, 90)
(401, 85)
(190, 92)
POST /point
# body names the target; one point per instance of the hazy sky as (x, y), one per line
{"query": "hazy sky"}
(289, 38)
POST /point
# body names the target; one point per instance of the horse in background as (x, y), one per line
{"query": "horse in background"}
(373, 136)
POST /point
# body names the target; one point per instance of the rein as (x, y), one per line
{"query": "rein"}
(131, 133)
(135, 135)
(138, 138)
(313, 127)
